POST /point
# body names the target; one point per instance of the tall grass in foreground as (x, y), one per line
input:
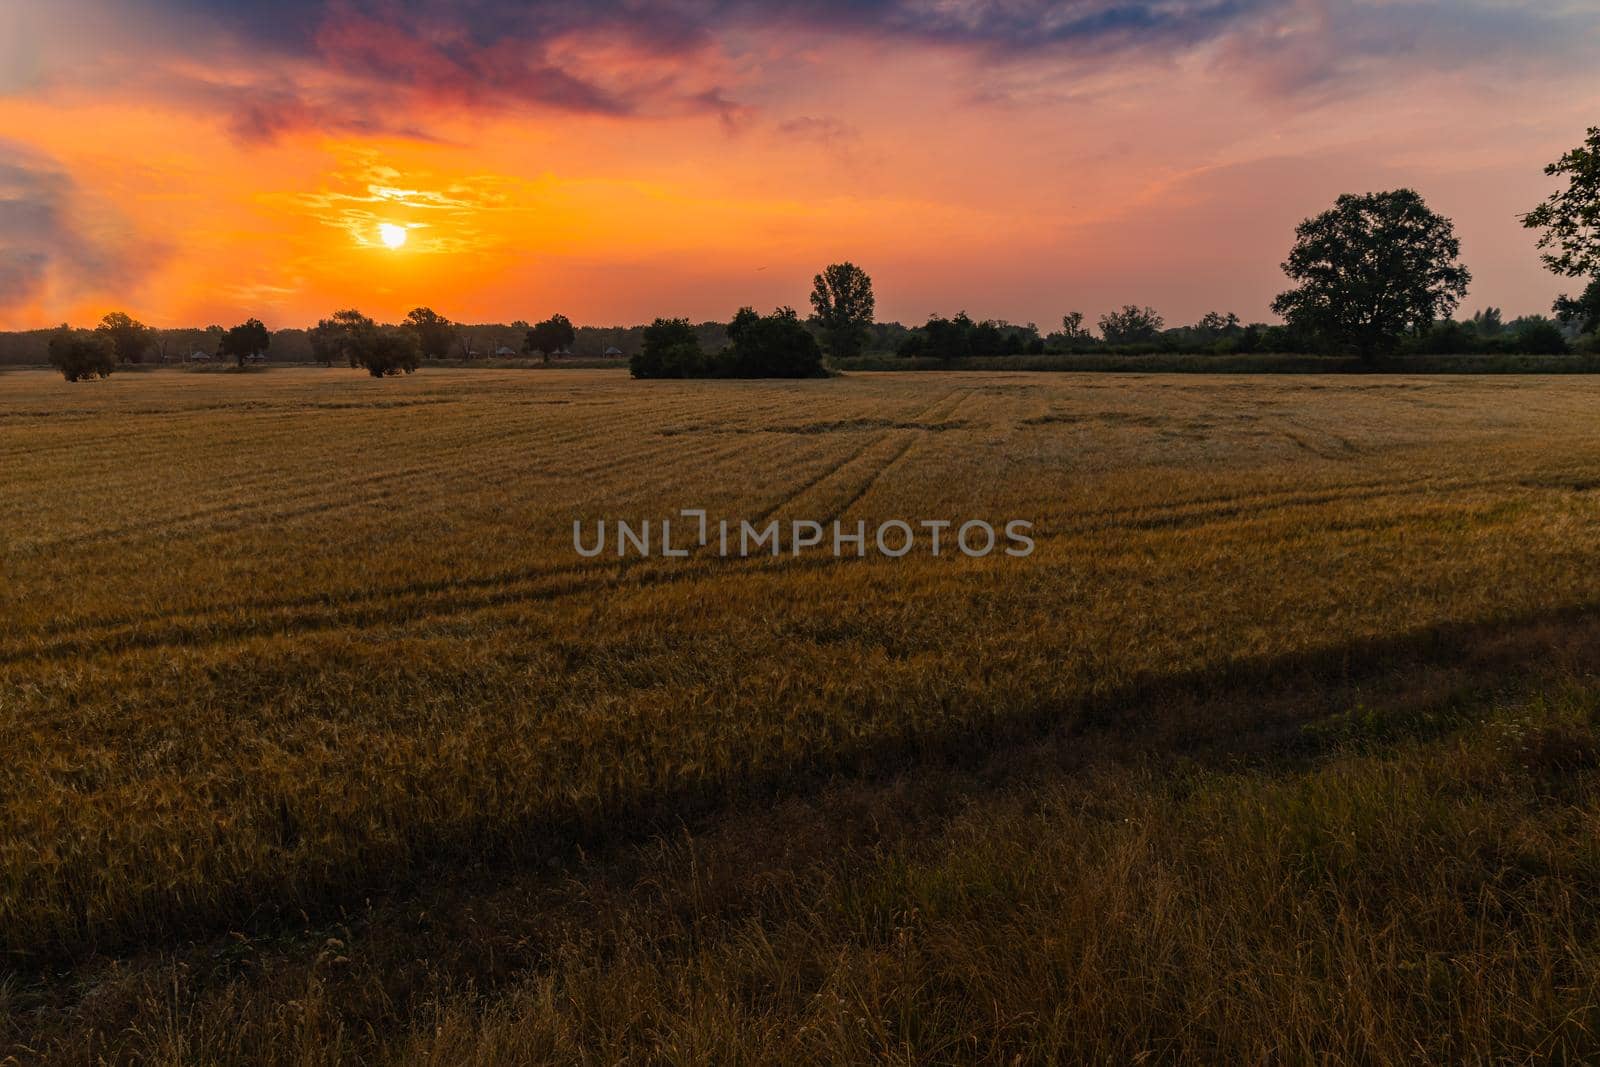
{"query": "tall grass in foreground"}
(1432, 903)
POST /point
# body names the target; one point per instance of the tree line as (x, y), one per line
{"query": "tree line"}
(1376, 275)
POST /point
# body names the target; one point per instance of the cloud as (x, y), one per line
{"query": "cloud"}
(1305, 46)
(47, 241)
(824, 130)
(270, 67)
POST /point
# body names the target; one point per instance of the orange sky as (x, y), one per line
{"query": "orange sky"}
(614, 176)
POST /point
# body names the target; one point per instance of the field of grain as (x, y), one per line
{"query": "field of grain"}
(322, 743)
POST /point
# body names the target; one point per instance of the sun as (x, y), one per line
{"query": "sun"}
(394, 236)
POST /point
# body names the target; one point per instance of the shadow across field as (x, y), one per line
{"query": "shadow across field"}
(1249, 708)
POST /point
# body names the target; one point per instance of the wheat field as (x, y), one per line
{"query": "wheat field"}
(323, 744)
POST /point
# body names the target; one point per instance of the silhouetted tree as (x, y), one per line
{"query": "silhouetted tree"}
(387, 350)
(129, 337)
(81, 356)
(435, 333)
(333, 338)
(1214, 325)
(1131, 326)
(245, 341)
(1570, 219)
(771, 346)
(1582, 312)
(842, 299)
(1371, 269)
(670, 349)
(1074, 333)
(1488, 322)
(961, 337)
(550, 336)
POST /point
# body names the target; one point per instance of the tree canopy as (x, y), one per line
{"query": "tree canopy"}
(334, 338)
(130, 338)
(245, 341)
(771, 346)
(1131, 326)
(1582, 311)
(434, 333)
(1570, 218)
(1373, 268)
(550, 336)
(843, 303)
(386, 351)
(81, 356)
(670, 349)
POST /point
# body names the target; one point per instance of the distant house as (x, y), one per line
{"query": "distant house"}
(503, 352)
(200, 357)
(613, 352)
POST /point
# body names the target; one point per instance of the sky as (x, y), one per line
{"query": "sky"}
(203, 161)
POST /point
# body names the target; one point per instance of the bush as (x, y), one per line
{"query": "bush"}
(1541, 338)
(1447, 338)
(671, 349)
(80, 357)
(772, 346)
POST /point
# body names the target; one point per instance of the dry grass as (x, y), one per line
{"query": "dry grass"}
(321, 742)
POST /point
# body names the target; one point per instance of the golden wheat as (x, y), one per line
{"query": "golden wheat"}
(282, 648)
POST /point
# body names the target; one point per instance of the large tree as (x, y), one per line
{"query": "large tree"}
(1570, 219)
(1132, 325)
(842, 299)
(245, 341)
(1372, 269)
(336, 337)
(435, 333)
(1582, 311)
(550, 336)
(129, 337)
(1074, 333)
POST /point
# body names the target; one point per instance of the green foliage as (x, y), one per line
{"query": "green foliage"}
(129, 337)
(1130, 326)
(1570, 219)
(771, 346)
(670, 349)
(334, 338)
(554, 334)
(79, 356)
(1372, 269)
(385, 351)
(844, 305)
(435, 334)
(249, 340)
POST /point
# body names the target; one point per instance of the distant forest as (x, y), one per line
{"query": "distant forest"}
(31, 347)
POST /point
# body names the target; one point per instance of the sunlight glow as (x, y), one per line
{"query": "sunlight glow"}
(392, 235)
